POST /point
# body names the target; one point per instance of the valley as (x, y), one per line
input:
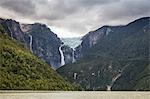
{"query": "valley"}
(109, 58)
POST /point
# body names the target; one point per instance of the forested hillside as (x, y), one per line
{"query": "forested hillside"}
(20, 69)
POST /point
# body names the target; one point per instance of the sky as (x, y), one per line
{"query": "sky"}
(74, 18)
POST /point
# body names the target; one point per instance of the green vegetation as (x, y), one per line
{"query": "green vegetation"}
(19, 69)
(143, 80)
(134, 77)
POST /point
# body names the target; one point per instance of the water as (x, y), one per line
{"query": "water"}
(30, 42)
(75, 76)
(112, 82)
(62, 62)
(114, 79)
(108, 88)
(73, 43)
(73, 57)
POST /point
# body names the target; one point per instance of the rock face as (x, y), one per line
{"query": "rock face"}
(113, 58)
(13, 29)
(45, 44)
(92, 38)
(68, 54)
(38, 38)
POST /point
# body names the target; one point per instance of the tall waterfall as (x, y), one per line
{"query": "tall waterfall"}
(73, 56)
(62, 62)
(30, 42)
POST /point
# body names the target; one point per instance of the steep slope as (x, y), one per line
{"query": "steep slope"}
(38, 38)
(19, 69)
(135, 77)
(45, 43)
(109, 54)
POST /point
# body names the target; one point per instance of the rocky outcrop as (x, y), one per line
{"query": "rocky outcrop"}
(68, 54)
(92, 38)
(13, 29)
(99, 35)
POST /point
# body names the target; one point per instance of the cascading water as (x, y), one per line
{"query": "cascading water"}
(115, 78)
(69, 53)
(108, 88)
(75, 76)
(62, 62)
(30, 42)
(73, 56)
(112, 82)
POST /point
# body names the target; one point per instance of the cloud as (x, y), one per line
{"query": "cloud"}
(75, 16)
(125, 10)
(22, 7)
(95, 2)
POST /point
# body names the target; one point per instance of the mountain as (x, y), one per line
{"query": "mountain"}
(112, 58)
(38, 38)
(20, 69)
(44, 44)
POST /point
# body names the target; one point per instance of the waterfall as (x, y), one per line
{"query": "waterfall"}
(73, 59)
(75, 76)
(62, 62)
(30, 36)
(112, 82)
(98, 73)
(115, 78)
(108, 88)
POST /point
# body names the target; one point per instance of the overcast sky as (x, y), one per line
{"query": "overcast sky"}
(71, 18)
